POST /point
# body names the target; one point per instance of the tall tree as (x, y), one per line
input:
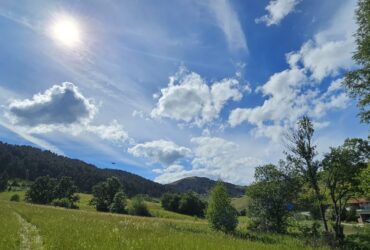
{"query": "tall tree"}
(271, 198)
(342, 167)
(4, 181)
(301, 153)
(220, 213)
(357, 82)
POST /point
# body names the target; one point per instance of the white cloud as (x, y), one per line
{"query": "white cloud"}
(228, 21)
(61, 108)
(215, 158)
(277, 10)
(165, 152)
(295, 91)
(190, 99)
(330, 51)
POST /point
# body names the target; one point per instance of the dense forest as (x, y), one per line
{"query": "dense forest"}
(28, 163)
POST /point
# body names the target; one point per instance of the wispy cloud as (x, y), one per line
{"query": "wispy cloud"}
(277, 11)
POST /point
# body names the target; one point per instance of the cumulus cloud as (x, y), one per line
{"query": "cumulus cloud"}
(188, 98)
(165, 152)
(277, 10)
(330, 51)
(296, 91)
(228, 21)
(214, 158)
(61, 108)
(61, 104)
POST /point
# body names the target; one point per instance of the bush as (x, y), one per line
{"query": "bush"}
(138, 207)
(42, 190)
(64, 202)
(15, 197)
(119, 203)
(186, 203)
(221, 215)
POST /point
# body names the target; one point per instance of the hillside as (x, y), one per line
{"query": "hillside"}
(26, 162)
(202, 185)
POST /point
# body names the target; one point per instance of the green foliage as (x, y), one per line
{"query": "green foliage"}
(220, 214)
(119, 203)
(15, 197)
(64, 202)
(271, 198)
(301, 156)
(4, 181)
(365, 180)
(357, 82)
(46, 190)
(104, 193)
(138, 207)
(42, 191)
(342, 167)
(186, 203)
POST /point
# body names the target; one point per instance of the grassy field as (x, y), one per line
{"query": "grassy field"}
(58, 228)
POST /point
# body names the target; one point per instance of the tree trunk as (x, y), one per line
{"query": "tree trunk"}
(322, 209)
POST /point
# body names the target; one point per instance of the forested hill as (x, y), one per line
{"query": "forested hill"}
(26, 162)
(202, 185)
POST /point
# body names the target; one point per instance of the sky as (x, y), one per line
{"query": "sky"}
(171, 89)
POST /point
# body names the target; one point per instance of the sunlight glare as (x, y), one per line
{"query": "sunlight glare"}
(66, 31)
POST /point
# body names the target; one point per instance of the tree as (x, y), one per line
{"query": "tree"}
(170, 201)
(191, 205)
(357, 82)
(271, 198)
(365, 180)
(4, 181)
(119, 203)
(104, 193)
(220, 213)
(342, 167)
(65, 188)
(138, 206)
(42, 191)
(302, 153)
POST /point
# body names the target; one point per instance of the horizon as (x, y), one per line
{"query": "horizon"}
(173, 90)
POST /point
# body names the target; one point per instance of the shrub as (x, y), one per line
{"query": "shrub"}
(186, 203)
(64, 202)
(119, 203)
(138, 207)
(15, 197)
(221, 215)
(42, 190)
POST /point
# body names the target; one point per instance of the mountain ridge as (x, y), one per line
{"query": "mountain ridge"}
(27, 162)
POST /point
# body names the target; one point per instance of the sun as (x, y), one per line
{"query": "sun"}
(66, 31)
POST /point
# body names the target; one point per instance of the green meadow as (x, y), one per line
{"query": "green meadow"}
(28, 226)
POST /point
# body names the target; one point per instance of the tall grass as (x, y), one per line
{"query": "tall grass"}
(79, 229)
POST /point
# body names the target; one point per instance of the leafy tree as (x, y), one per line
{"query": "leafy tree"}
(365, 180)
(65, 188)
(220, 213)
(302, 153)
(4, 181)
(357, 81)
(170, 201)
(342, 167)
(104, 193)
(119, 203)
(138, 207)
(271, 198)
(191, 205)
(42, 191)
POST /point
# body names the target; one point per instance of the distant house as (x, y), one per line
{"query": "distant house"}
(362, 206)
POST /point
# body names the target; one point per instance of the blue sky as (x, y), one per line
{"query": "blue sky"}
(170, 89)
